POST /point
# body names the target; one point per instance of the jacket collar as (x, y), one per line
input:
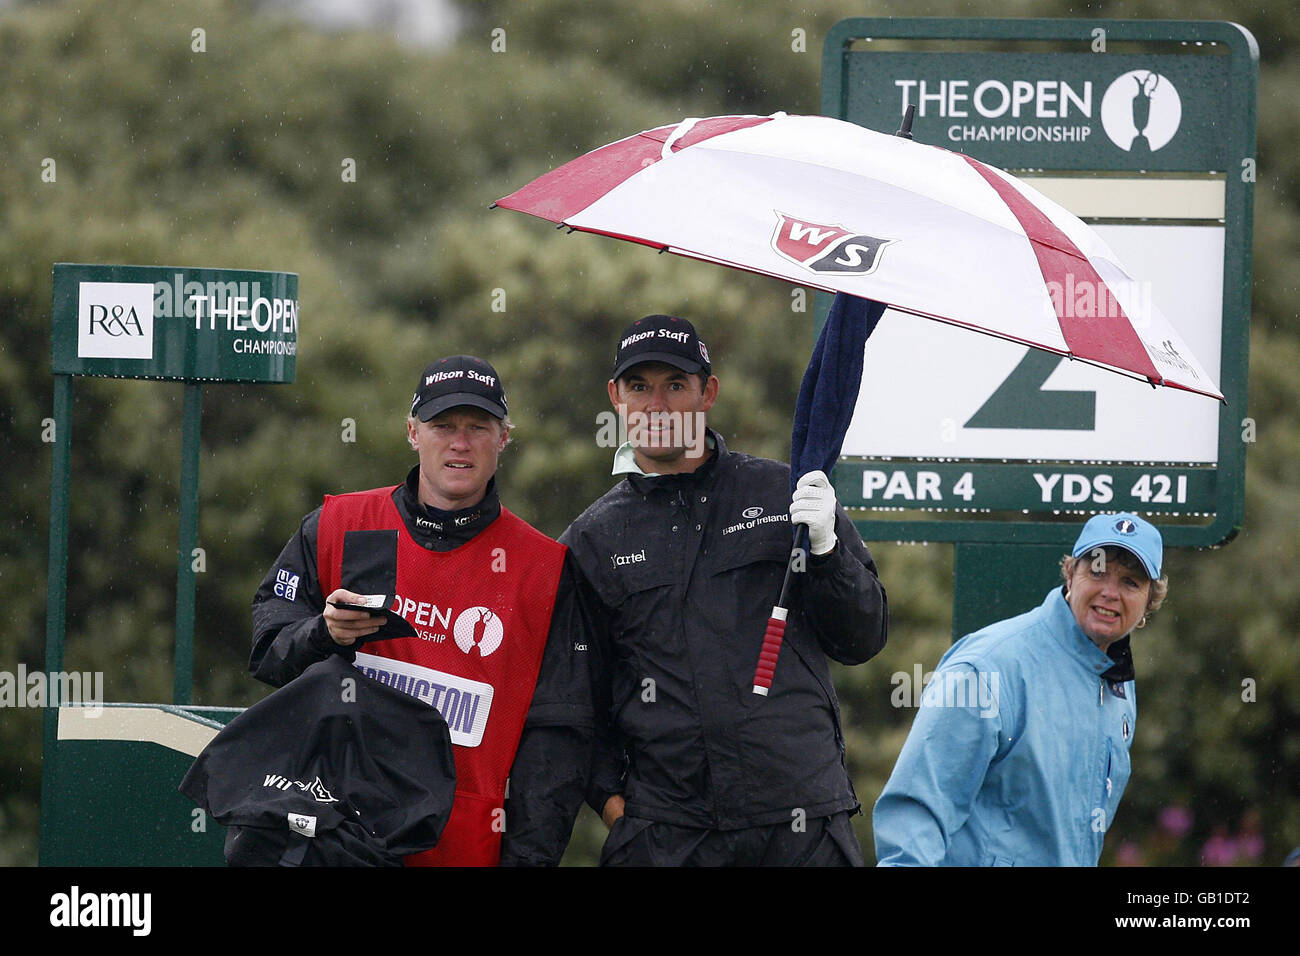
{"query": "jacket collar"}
(700, 477)
(443, 530)
(1113, 664)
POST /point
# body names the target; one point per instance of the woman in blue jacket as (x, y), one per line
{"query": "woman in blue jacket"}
(1019, 753)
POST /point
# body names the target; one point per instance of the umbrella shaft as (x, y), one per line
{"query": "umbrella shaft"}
(798, 556)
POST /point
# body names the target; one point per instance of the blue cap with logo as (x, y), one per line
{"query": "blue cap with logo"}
(1124, 530)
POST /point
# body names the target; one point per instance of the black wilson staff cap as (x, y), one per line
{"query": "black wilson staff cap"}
(661, 338)
(458, 380)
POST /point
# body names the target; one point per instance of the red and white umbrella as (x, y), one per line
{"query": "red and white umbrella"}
(831, 205)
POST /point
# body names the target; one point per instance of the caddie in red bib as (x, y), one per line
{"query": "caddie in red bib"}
(484, 621)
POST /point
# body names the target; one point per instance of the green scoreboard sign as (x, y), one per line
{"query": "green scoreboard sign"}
(158, 322)
(1145, 130)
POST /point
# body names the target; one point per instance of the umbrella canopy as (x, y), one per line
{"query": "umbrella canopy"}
(835, 206)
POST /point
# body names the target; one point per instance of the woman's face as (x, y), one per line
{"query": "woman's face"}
(1107, 598)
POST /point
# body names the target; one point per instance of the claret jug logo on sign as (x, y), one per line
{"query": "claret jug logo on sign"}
(1141, 111)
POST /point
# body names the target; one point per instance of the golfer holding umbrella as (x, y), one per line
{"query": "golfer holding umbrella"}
(686, 555)
(1019, 753)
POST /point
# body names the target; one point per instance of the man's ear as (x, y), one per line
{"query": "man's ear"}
(410, 432)
(612, 388)
(711, 388)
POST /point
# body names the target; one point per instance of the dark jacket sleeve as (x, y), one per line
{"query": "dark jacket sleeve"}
(289, 633)
(608, 755)
(843, 599)
(551, 769)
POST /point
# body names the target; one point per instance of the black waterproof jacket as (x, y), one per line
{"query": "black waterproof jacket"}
(687, 569)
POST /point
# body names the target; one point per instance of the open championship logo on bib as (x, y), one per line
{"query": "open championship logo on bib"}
(478, 627)
(1140, 111)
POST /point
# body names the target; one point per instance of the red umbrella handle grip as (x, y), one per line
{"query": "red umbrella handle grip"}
(772, 638)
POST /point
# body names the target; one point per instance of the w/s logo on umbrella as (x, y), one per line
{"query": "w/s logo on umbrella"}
(825, 248)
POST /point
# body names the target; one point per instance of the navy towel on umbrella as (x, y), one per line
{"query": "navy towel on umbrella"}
(830, 386)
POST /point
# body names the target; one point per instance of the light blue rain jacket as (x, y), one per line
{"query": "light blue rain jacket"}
(1019, 753)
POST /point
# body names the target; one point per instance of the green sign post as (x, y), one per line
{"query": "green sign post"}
(192, 326)
(1146, 131)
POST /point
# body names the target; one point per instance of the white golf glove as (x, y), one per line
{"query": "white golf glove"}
(813, 504)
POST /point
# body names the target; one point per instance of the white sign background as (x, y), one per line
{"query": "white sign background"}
(922, 380)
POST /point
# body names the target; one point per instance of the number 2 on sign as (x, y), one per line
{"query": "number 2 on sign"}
(1154, 489)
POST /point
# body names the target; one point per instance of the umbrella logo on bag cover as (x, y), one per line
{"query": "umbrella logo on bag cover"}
(827, 249)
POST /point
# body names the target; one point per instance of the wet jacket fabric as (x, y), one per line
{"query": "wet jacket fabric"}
(686, 569)
(1019, 753)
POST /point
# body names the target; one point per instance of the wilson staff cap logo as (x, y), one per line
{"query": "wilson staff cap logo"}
(661, 338)
(458, 380)
(825, 248)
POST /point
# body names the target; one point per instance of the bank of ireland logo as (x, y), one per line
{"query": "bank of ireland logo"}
(477, 627)
(115, 320)
(1140, 111)
(826, 249)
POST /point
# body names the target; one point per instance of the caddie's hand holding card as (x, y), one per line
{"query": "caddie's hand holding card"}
(370, 570)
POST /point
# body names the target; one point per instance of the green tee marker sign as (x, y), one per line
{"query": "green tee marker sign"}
(195, 326)
(158, 322)
(1145, 131)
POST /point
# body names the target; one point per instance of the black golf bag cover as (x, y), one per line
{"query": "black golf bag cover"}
(333, 769)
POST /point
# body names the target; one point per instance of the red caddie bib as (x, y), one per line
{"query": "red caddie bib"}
(481, 613)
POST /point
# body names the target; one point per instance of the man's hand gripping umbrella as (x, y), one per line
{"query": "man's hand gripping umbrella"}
(822, 415)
